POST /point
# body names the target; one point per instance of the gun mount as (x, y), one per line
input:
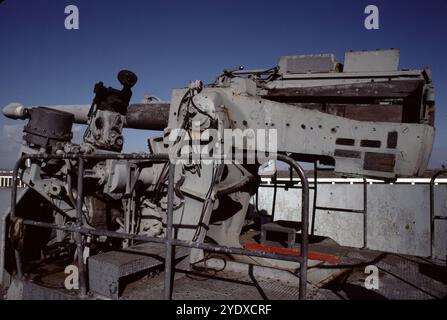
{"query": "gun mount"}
(365, 117)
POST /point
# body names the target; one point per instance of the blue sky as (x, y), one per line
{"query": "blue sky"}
(168, 43)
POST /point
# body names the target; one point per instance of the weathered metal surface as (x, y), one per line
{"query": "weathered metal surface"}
(108, 270)
(196, 195)
(5, 195)
(440, 200)
(376, 161)
(277, 228)
(343, 227)
(439, 240)
(371, 61)
(307, 64)
(401, 277)
(317, 132)
(390, 89)
(398, 218)
(360, 101)
(153, 116)
(147, 116)
(25, 290)
(398, 215)
(438, 217)
(48, 126)
(358, 111)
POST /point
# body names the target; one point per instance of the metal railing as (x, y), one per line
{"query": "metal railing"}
(291, 184)
(363, 211)
(170, 243)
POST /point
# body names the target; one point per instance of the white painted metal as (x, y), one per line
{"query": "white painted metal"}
(398, 214)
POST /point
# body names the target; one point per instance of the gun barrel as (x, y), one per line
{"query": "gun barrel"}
(146, 116)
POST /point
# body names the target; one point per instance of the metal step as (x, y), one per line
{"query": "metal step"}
(110, 272)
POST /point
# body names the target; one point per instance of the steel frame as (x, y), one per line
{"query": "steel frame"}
(291, 185)
(170, 243)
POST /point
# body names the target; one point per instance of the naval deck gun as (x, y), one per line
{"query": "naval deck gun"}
(364, 117)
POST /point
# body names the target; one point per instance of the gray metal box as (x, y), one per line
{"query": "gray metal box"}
(323, 63)
(372, 61)
(108, 270)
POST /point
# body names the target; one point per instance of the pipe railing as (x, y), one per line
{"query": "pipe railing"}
(170, 243)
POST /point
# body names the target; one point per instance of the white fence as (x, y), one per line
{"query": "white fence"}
(6, 180)
(397, 215)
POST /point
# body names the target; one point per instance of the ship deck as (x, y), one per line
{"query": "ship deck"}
(220, 278)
